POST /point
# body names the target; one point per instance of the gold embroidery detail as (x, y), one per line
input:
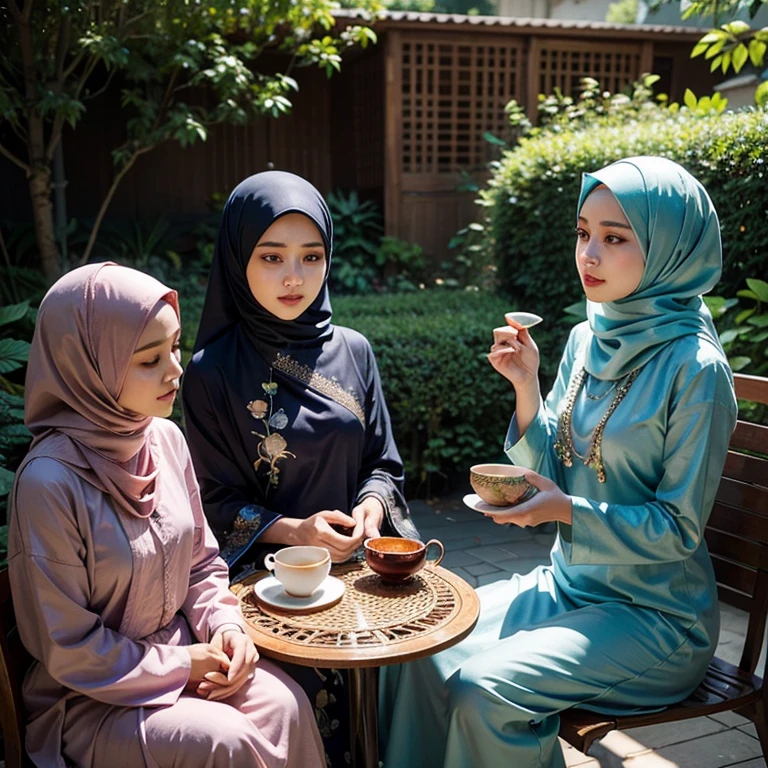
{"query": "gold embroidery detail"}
(312, 378)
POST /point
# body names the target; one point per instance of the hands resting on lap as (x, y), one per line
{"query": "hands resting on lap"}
(223, 666)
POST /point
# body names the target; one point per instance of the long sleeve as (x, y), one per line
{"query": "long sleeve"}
(671, 526)
(209, 603)
(236, 518)
(51, 565)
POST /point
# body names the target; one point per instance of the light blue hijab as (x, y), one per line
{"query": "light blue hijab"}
(676, 225)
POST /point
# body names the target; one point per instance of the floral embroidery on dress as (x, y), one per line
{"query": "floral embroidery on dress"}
(273, 446)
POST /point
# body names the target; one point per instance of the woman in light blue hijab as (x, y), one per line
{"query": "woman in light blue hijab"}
(627, 452)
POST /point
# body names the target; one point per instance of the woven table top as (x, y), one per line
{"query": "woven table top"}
(373, 624)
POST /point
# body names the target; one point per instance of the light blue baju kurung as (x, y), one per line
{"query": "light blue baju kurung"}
(625, 617)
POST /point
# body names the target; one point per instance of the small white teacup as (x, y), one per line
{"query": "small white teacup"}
(301, 570)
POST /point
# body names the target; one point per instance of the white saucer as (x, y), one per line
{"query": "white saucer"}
(271, 593)
(473, 501)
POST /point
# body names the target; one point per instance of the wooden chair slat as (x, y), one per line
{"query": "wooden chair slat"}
(737, 537)
(723, 545)
(751, 388)
(748, 469)
(745, 496)
(734, 575)
(738, 522)
(750, 437)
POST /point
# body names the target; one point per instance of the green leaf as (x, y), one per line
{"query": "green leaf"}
(740, 56)
(13, 354)
(760, 288)
(699, 48)
(744, 315)
(736, 27)
(6, 481)
(757, 52)
(739, 363)
(761, 94)
(689, 99)
(13, 313)
(491, 139)
(719, 305)
(715, 48)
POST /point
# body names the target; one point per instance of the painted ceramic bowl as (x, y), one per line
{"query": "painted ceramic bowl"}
(502, 485)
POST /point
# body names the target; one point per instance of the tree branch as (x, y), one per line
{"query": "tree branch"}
(53, 140)
(108, 199)
(101, 90)
(15, 160)
(62, 46)
(73, 66)
(92, 64)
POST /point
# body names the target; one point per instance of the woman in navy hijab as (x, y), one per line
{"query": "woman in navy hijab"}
(284, 413)
(285, 417)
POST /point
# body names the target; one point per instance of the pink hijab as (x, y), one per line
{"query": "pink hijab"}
(87, 329)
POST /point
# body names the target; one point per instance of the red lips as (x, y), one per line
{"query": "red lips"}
(591, 281)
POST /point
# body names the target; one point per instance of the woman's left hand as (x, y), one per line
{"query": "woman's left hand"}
(369, 515)
(243, 656)
(550, 504)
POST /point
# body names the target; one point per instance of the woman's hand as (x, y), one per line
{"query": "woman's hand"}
(550, 504)
(514, 354)
(206, 659)
(369, 514)
(242, 656)
(323, 530)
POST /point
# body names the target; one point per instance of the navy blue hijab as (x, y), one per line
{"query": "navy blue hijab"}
(252, 208)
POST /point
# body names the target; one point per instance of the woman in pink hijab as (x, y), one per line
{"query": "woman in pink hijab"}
(141, 656)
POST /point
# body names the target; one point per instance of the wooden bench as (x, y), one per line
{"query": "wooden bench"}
(737, 537)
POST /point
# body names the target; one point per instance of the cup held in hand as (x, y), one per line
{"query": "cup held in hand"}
(301, 570)
(502, 485)
(395, 560)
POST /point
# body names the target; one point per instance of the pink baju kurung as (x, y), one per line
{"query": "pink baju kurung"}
(105, 603)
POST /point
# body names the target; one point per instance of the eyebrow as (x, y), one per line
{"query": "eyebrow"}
(270, 244)
(158, 343)
(609, 223)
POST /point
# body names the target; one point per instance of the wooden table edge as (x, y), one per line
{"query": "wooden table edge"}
(427, 644)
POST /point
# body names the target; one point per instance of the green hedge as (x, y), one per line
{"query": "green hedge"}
(449, 408)
(531, 199)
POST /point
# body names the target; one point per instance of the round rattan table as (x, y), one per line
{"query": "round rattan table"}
(373, 625)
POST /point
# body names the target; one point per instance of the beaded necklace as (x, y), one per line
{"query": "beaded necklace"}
(564, 447)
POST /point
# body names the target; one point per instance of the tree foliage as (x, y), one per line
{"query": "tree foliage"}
(734, 43)
(181, 66)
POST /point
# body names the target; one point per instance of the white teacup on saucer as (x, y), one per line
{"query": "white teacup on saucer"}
(300, 570)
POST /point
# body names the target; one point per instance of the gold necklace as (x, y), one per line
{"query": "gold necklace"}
(564, 448)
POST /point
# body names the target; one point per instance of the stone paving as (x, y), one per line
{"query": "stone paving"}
(482, 552)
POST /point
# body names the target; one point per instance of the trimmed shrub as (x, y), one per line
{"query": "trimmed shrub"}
(531, 199)
(449, 408)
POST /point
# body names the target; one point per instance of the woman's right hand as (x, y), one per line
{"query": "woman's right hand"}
(205, 658)
(317, 531)
(514, 354)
